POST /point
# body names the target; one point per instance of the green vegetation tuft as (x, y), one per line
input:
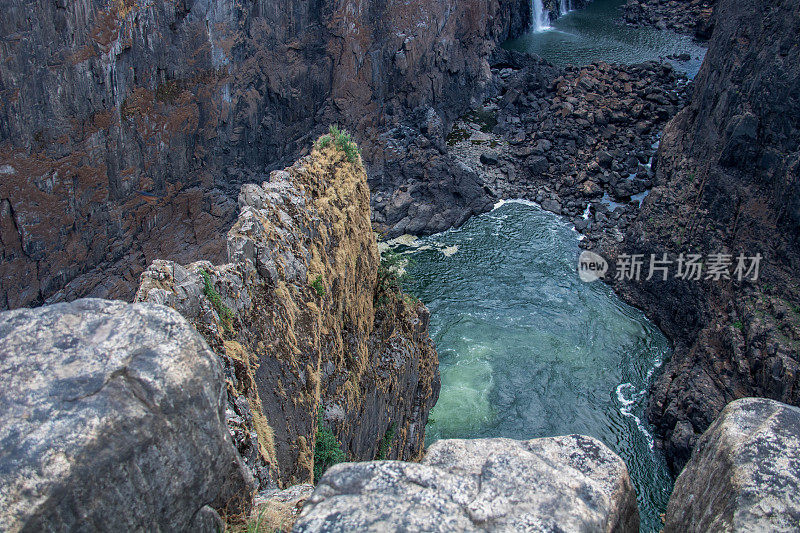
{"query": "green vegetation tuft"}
(254, 524)
(318, 286)
(391, 274)
(386, 442)
(738, 325)
(342, 140)
(225, 314)
(327, 451)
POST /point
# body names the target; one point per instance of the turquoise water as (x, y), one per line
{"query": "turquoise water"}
(595, 34)
(527, 350)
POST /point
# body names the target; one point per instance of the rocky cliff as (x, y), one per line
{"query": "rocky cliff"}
(728, 182)
(310, 328)
(127, 128)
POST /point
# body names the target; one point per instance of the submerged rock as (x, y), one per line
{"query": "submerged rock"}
(744, 474)
(112, 420)
(566, 483)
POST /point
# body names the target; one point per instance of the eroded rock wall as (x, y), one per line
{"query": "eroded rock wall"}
(728, 181)
(302, 323)
(127, 128)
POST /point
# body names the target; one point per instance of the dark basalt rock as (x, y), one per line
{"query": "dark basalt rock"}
(727, 181)
(126, 129)
(693, 17)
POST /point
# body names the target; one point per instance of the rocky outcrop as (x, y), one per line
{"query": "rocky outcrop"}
(571, 483)
(727, 182)
(692, 17)
(308, 331)
(744, 474)
(127, 128)
(112, 419)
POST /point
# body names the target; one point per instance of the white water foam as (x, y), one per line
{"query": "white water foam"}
(627, 409)
(522, 201)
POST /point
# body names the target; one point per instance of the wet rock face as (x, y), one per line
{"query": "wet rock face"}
(112, 419)
(727, 181)
(127, 128)
(744, 474)
(302, 324)
(554, 484)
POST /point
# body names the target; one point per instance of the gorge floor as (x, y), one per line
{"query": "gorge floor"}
(526, 349)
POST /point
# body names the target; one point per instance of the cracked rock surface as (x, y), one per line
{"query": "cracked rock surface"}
(112, 415)
(570, 483)
(744, 474)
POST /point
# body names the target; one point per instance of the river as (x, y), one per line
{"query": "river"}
(528, 350)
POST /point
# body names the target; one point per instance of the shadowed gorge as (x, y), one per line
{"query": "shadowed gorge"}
(399, 265)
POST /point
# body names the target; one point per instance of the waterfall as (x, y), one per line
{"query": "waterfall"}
(564, 7)
(541, 17)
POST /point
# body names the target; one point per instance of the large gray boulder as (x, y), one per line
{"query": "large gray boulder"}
(112, 420)
(570, 483)
(744, 474)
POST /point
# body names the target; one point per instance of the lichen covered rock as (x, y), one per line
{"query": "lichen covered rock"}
(112, 420)
(302, 323)
(744, 474)
(571, 483)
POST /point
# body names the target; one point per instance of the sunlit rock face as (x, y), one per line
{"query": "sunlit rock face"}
(113, 418)
(306, 330)
(743, 475)
(565, 483)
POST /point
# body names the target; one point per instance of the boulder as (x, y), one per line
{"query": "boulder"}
(489, 159)
(552, 205)
(537, 165)
(112, 420)
(744, 474)
(604, 159)
(570, 483)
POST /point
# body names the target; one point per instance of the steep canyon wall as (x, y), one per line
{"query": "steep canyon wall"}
(127, 128)
(728, 181)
